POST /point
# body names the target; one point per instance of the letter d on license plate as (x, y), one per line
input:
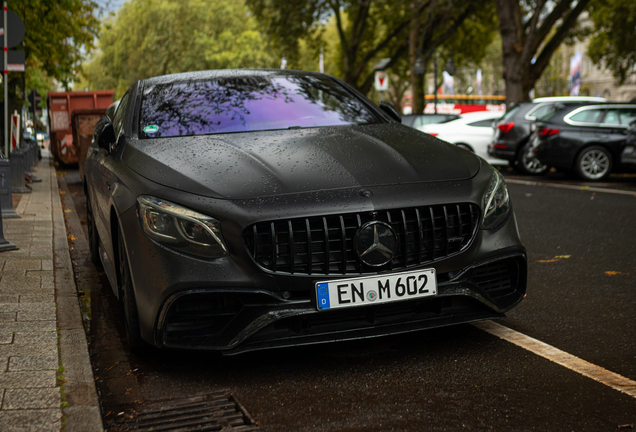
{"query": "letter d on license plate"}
(375, 289)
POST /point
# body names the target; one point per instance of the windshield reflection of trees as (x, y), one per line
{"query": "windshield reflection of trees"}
(222, 105)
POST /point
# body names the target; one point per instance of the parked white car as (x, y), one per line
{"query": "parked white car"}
(472, 131)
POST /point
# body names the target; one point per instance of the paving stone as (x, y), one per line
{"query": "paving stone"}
(47, 264)
(40, 315)
(27, 398)
(8, 316)
(20, 282)
(38, 298)
(35, 338)
(30, 307)
(31, 349)
(28, 326)
(40, 273)
(6, 337)
(31, 420)
(33, 363)
(30, 379)
(22, 264)
(9, 298)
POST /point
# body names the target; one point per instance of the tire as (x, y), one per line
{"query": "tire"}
(465, 147)
(528, 164)
(593, 163)
(93, 236)
(127, 296)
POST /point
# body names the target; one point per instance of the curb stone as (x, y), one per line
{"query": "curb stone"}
(82, 412)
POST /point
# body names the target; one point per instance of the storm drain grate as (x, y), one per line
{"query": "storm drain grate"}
(215, 412)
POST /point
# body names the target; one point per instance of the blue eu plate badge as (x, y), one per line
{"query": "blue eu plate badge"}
(322, 290)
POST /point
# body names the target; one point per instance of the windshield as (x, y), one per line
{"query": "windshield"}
(245, 104)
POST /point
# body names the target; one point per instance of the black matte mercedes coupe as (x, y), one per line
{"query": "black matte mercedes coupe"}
(237, 210)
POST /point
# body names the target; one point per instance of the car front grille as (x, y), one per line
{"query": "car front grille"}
(323, 245)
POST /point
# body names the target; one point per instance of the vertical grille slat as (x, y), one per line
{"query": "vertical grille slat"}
(325, 244)
(274, 247)
(325, 227)
(343, 244)
(290, 234)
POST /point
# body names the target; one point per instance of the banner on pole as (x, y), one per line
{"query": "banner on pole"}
(15, 130)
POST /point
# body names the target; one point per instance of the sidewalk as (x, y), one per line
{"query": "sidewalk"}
(46, 380)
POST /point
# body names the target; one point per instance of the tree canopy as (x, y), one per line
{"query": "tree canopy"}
(157, 37)
(58, 34)
(614, 40)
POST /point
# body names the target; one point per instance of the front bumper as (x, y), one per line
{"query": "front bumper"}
(239, 320)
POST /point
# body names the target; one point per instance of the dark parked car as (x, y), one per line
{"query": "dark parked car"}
(628, 156)
(246, 209)
(416, 120)
(512, 131)
(587, 140)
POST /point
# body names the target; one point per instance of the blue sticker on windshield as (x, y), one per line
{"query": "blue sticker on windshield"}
(151, 129)
(322, 289)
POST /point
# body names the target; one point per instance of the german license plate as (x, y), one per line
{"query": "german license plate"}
(376, 289)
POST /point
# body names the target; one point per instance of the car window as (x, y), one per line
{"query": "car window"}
(419, 121)
(118, 122)
(243, 104)
(510, 113)
(541, 111)
(482, 123)
(611, 117)
(627, 115)
(588, 116)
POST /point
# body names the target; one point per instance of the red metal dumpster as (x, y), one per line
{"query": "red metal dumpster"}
(61, 106)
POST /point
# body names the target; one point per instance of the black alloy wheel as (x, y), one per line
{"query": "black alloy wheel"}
(527, 163)
(93, 236)
(127, 296)
(593, 163)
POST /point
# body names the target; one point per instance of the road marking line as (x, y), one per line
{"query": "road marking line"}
(573, 187)
(597, 373)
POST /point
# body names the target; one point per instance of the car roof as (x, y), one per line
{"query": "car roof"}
(223, 73)
(569, 99)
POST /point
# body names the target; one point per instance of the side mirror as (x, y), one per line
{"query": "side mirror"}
(104, 133)
(391, 111)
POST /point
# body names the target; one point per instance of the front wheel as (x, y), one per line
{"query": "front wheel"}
(127, 296)
(527, 163)
(593, 163)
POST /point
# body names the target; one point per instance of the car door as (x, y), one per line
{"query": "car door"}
(103, 162)
(614, 131)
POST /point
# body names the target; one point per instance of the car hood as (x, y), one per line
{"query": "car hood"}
(258, 164)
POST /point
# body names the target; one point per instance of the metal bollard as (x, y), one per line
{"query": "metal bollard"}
(6, 201)
(4, 244)
(17, 172)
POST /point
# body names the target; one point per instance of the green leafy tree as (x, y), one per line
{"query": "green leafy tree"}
(614, 42)
(531, 31)
(155, 37)
(367, 30)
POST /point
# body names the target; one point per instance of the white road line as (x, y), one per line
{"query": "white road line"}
(573, 187)
(597, 373)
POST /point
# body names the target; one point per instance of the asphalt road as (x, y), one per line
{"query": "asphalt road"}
(581, 300)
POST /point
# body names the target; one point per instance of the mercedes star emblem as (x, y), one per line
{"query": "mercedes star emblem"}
(375, 243)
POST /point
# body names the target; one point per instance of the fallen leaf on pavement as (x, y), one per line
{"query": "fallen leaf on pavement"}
(614, 273)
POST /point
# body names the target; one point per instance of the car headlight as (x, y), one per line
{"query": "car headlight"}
(180, 228)
(495, 202)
